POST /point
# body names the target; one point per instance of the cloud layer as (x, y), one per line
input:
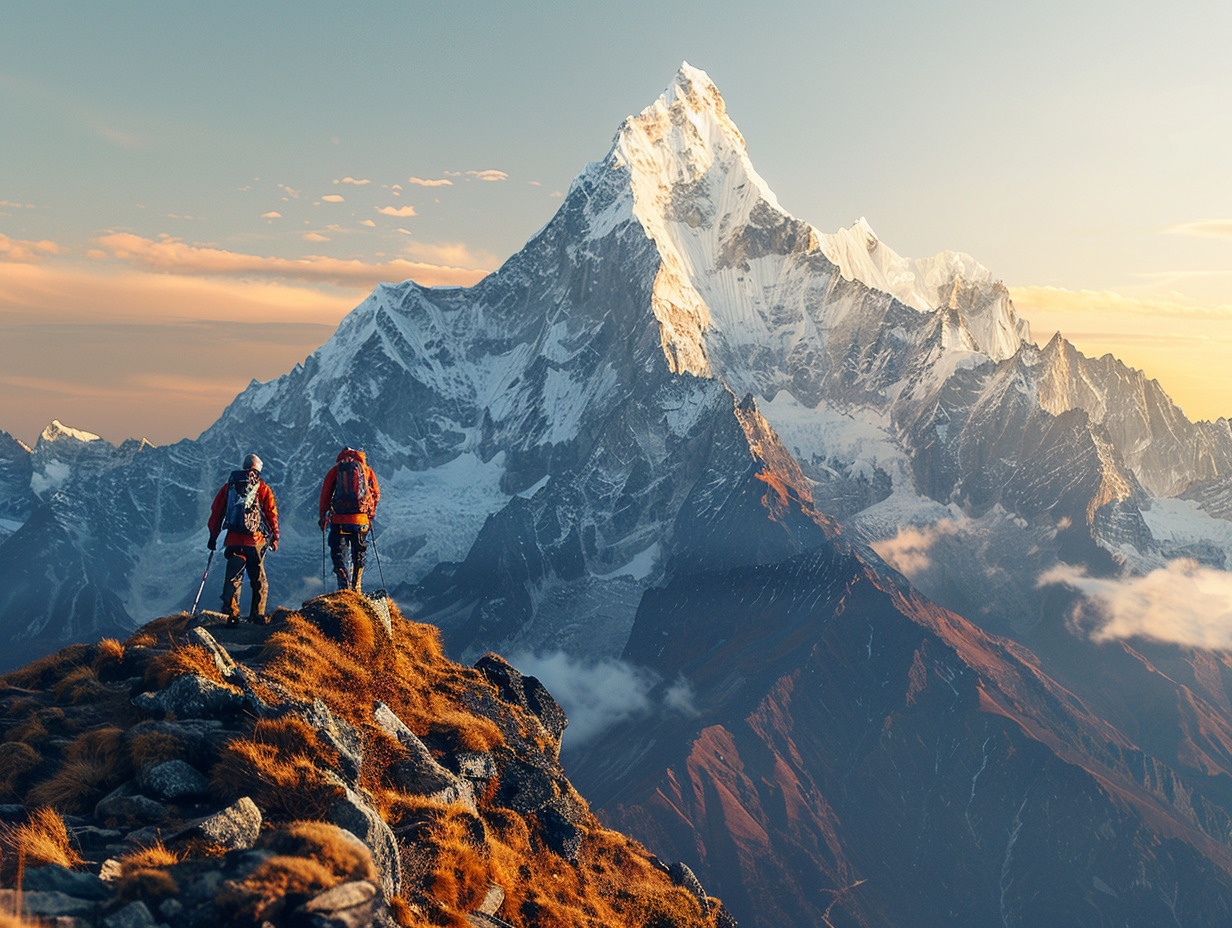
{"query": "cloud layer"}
(1184, 603)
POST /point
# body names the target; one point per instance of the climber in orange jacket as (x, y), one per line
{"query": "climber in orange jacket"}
(245, 506)
(348, 503)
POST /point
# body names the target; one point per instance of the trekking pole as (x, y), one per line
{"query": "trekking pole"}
(378, 556)
(204, 577)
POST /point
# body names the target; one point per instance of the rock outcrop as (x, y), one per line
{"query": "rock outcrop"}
(320, 771)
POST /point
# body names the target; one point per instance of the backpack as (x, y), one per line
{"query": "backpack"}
(243, 511)
(351, 489)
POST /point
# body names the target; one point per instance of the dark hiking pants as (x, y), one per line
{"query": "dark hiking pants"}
(339, 541)
(239, 559)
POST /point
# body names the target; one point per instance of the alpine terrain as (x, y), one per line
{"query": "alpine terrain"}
(670, 436)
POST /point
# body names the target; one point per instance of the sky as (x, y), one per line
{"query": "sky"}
(193, 195)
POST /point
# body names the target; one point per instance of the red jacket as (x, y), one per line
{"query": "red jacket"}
(269, 514)
(359, 519)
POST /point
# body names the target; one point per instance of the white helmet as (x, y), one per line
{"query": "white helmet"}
(252, 462)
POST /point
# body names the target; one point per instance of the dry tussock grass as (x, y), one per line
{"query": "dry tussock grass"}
(280, 766)
(17, 760)
(41, 840)
(141, 639)
(94, 764)
(154, 856)
(150, 748)
(327, 845)
(143, 874)
(47, 671)
(185, 659)
(281, 880)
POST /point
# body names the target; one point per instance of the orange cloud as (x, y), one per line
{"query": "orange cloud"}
(172, 256)
(333, 198)
(489, 175)
(315, 237)
(455, 254)
(352, 180)
(420, 182)
(401, 211)
(15, 249)
(272, 214)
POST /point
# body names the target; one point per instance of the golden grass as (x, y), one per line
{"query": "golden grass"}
(94, 764)
(46, 671)
(17, 759)
(109, 660)
(143, 874)
(280, 766)
(41, 840)
(154, 747)
(280, 879)
(185, 659)
(141, 639)
(327, 845)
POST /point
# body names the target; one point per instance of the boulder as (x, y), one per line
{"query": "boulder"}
(234, 828)
(525, 788)
(348, 905)
(46, 905)
(340, 735)
(126, 804)
(475, 765)
(133, 915)
(222, 659)
(562, 822)
(192, 697)
(526, 692)
(354, 814)
(683, 876)
(52, 878)
(174, 779)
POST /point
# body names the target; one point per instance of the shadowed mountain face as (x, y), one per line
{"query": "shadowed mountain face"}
(857, 756)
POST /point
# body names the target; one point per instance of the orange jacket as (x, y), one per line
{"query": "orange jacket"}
(359, 519)
(269, 515)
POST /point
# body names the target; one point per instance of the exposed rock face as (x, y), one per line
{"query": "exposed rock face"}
(354, 808)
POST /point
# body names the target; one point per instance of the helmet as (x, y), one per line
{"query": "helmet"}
(252, 462)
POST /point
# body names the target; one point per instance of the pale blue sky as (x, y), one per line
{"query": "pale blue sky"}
(1056, 142)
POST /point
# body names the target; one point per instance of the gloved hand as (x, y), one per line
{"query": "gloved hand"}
(212, 544)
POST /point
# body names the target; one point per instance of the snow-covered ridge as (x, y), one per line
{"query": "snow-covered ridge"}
(57, 431)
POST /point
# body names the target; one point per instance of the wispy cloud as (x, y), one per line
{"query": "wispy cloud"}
(12, 205)
(15, 249)
(420, 182)
(352, 180)
(291, 192)
(489, 175)
(453, 254)
(400, 211)
(272, 214)
(1033, 300)
(1184, 602)
(315, 237)
(1202, 228)
(333, 198)
(174, 256)
(367, 222)
(908, 552)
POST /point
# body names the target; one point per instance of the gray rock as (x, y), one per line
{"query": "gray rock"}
(192, 697)
(133, 915)
(339, 735)
(46, 905)
(389, 721)
(525, 788)
(683, 876)
(475, 765)
(235, 827)
(222, 660)
(201, 738)
(170, 909)
(110, 870)
(526, 692)
(358, 817)
(419, 772)
(562, 824)
(127, 804)
(53, 878)
(348, 905)
(174, 779)
(493, 899)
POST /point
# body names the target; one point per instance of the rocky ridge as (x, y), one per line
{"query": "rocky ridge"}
(315, 772)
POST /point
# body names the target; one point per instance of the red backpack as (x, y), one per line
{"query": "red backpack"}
(351, 489)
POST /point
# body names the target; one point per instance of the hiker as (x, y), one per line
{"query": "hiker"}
(245, 507)
(348, 503)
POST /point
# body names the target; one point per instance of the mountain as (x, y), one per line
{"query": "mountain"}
(332, 768)
(674, 423)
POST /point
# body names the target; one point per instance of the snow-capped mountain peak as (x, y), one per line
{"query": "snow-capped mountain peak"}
(58, 431)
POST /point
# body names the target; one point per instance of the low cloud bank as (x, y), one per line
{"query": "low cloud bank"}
(1183, 603)
(908, 552)
(599, 694)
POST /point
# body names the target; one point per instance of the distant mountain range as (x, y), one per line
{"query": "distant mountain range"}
(676, 429)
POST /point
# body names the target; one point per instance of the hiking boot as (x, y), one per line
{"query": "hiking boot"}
(233, 620)
(258, 619)
(355, 581)
(344, 582)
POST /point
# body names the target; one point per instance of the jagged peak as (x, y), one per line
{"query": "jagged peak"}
(58, 431)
